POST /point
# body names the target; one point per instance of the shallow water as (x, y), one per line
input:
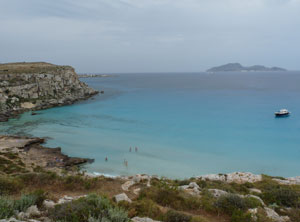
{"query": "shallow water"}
(184, 124)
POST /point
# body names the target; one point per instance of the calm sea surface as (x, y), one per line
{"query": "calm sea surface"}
(184, 124)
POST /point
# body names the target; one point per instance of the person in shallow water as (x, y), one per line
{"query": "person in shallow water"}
(106, 159)
(136, 149)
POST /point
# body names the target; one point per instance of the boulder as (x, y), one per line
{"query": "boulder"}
(274, 216)
(193, 188)
(65, 199)
(33, 211)
(127, 185)
(144, 219)
(122, 197)
(48, 204)
(217, 193)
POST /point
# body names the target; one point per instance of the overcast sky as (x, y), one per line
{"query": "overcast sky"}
(108, 36)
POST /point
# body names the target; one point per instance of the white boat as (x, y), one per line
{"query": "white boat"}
(282, 112)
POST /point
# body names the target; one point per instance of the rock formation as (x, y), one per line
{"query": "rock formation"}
(35, 86)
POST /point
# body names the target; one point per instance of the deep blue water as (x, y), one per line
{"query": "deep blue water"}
(184, 124)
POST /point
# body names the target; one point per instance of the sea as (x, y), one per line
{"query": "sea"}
(178, 125)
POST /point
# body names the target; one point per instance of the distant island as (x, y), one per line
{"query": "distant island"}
(237, 67)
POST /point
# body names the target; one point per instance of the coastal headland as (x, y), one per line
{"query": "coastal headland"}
(36, 86)
(43, 184)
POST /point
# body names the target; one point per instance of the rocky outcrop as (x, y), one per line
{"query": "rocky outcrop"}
(237, 177)
(31, 153)
(289, 181)
(35, 86)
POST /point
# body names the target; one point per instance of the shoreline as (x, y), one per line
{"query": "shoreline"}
(33, 154)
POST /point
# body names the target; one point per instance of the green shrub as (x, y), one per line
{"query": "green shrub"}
(240, 216)
(174, 216)
(91, 208)
(282, 196)
(207, 201)
(143, 208)
(35, 198)
(6, 208)
(171, 197)
(231, 202)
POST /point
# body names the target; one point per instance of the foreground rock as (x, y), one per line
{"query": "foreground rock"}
(144, 219)
(122, 197)
(289, 181)
(35, 86)
(236, 177)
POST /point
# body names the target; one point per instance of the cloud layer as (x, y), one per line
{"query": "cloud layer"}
(151, 35)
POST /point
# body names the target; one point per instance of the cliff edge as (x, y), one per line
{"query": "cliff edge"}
(35, 86)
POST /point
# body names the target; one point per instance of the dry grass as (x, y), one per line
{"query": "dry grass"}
(24, 67)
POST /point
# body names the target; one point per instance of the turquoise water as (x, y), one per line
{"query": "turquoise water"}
(184, 124)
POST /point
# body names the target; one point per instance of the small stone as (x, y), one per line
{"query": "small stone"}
(217, 193)
(137, 191)
(254, 190)
(122, 197)
(127, 185)
(144, 219)
(274, 216)
(48, 204)
(33, 211)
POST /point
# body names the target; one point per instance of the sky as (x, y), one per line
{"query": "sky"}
(115, 36)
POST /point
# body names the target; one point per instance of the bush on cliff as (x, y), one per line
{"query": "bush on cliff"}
(231, 203)
(9, 185)
(174, 216)
(168, 196)
(8, 207)
(90, 208)
(282, 196)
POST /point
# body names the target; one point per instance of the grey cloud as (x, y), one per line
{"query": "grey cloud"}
(151, 35)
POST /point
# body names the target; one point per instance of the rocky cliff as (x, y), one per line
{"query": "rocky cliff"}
(34, 86)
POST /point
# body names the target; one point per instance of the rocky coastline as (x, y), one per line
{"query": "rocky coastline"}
(24, 154)
(37, 86)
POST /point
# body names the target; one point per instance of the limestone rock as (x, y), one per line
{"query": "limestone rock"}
(289, 181)
(122, 197)
(217, 193)
(33, 211)
(254, 190)
(253, 212)
(48, 204)
(193, 188)
(127, 185)
(274, 216)
(65, 199)
(237, 177)
(137, 191)
(38, 86)
(144, 219)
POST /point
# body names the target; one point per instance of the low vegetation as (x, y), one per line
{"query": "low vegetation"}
(163, 201)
